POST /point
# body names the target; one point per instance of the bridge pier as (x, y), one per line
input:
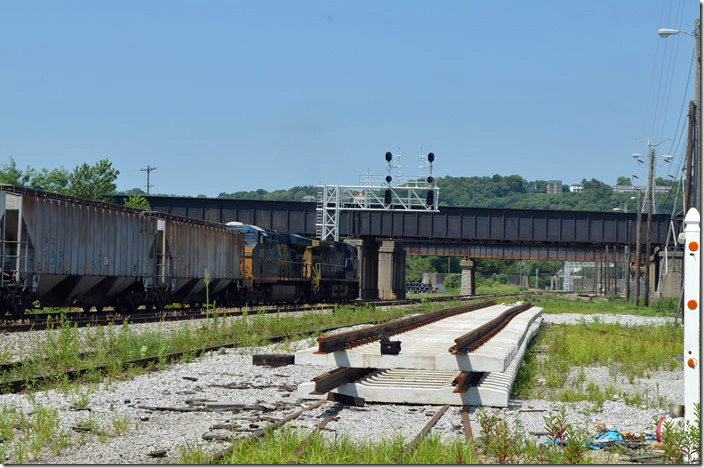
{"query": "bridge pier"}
(671, 284)
(392, 270)
(368, 255)
(468, 285)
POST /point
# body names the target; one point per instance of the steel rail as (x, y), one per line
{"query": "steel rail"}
(44, 321)
(480, 335)
(465, 380)
(335, 378)
(219, 455)
(464, 412)
(419, 438)
(18, 385)
(298, 454)
(347, 340)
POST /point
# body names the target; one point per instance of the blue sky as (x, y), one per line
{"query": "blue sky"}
(224, 96)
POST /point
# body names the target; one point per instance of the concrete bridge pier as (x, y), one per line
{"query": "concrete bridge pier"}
(392, 270)
(468, 285)
(670, 285)
(368, 255)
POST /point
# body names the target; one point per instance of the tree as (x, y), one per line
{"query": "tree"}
(623, 180)
(10, 174)
(54, 180)
(95, 182)
(139, 202)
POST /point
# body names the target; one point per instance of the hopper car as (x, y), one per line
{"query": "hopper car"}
(61, 251)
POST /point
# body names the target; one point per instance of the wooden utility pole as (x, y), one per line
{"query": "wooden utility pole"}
(689, 152)
(627, 266)
(651, 202)
(639, 224)
(148, 170)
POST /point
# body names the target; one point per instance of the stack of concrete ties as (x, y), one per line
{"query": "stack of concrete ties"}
(435, 364)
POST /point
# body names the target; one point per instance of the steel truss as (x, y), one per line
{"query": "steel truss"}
(412, 196)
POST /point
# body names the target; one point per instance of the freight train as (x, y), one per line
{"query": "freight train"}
(60, 251)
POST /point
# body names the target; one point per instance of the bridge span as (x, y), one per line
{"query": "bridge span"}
(385, 238)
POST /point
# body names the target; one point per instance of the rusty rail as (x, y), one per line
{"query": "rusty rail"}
(347, 340)
(465, 422)
(419, 438)
(477, 337)
(465, 380)
(219, 455)
(340, 376)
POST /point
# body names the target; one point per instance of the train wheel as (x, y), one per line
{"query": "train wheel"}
(99, 309)
(86, 309)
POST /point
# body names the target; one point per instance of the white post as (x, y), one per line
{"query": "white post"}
(692, 309)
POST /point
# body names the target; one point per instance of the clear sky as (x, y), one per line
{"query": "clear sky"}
(232, 95)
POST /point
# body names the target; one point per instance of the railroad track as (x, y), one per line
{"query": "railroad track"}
(18, 385)
(326, 344)
(332, 413)
(43, 321)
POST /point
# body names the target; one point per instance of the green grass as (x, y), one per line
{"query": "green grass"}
(629, 351)
(113, 346)
(498, 288)
(557, 305)
(279, 447)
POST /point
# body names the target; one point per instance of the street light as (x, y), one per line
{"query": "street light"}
(664, 32)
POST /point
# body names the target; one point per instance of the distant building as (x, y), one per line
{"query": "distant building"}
(308, 198)
(638, 188)
(576, 188)
(554, 186)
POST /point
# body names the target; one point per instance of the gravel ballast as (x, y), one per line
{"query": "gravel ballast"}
(150, 430)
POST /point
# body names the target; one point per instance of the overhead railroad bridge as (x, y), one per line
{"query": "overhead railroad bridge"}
(384, 238)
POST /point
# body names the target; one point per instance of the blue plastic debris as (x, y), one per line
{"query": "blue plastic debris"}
(605, 438)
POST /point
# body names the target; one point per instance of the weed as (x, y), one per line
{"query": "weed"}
(81, 402)
(575, 445)
(120, 424)
(556, 425)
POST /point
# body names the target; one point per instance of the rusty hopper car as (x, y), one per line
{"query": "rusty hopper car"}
(64, 251)
(188, 250)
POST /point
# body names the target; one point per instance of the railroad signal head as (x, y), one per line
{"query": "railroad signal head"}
(388, 179)
(389, 156)
(430, 198)
(430, 179)
(431, 157)
(387, 197)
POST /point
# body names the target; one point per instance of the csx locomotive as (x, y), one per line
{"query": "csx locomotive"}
(60, 251)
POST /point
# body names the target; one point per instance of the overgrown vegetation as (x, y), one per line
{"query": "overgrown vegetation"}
(552, 304)
(501, 441)
(682, 440)
(627, 351)
(113, 346)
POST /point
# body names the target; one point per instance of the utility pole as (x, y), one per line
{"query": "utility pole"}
(627, 269)
(639, 224)
(689, 152)
(148, 170)
(697, 199)
(536, 278)
(651, 207)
